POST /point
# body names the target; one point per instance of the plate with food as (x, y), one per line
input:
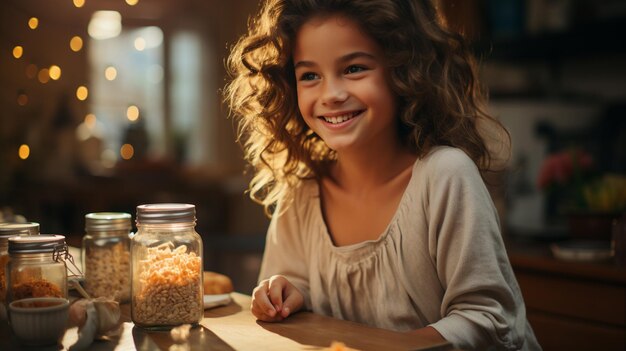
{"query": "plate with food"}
(217, 289)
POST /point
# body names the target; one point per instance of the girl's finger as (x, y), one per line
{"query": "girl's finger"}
(262, 316)
(258, 313)
(276, 290)
(293, 302)
(261, 300)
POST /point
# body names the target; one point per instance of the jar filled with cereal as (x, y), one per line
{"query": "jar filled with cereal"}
(166, 266)
(8, 230)
(36, 267)
(106, 255)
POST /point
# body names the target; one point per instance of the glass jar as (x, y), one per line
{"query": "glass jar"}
(8, 230)
(106, 255)
(166, 266)
(35, 268)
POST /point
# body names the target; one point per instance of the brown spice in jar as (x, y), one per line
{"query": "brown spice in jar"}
(3, 290)
(35, 288)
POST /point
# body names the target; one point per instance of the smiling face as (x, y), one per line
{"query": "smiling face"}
(342, 84)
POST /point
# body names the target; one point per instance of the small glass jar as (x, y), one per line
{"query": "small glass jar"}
(106, 255)
(166, 265)
(35, 268)
(8, 230)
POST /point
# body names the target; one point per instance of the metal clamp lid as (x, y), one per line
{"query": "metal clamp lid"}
(12, 229)
(62, 254)
(166, 213)
(107, 221)
(35, 243)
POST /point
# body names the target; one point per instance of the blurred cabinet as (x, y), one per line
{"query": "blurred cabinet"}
(572, 305)
(577, 64)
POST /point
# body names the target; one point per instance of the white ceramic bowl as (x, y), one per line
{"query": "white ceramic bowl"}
(39, 320)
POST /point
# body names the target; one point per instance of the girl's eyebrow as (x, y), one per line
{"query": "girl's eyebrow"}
(303, 64)
(357, 54)
(344, 58)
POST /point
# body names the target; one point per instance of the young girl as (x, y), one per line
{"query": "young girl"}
(362, 121)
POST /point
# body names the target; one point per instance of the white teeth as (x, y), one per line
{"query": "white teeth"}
(339, 119)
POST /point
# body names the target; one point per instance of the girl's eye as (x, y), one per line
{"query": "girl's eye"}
(308, 76)
(355, 69)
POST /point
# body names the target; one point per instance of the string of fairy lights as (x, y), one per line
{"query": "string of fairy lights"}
(99, 30)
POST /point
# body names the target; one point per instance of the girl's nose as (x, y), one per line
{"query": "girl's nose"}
(334, 92)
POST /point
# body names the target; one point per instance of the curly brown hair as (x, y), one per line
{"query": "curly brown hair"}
(432, 72)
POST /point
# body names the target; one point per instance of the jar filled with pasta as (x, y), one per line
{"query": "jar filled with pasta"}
(36, 267)
(166, 266)
(8, 230)
(106, 255)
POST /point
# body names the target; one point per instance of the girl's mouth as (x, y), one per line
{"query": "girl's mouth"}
(340, 118)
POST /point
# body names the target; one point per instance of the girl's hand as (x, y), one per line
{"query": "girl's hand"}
(275, 299)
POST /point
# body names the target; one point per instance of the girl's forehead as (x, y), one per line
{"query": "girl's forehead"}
(338, 29)
(332, 35)
(337, 19)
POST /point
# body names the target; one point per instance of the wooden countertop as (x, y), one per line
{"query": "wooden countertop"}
(233, 327)
(537, 257)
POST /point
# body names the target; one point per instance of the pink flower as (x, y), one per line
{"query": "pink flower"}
(559, 168)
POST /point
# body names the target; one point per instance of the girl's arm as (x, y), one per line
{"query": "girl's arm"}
(283, 279)
(482, 304)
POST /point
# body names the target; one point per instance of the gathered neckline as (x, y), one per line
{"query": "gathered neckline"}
(366, 245)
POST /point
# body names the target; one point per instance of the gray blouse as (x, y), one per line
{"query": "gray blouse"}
(441, 261)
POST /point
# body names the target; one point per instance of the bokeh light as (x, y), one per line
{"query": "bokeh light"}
(110, 73)
(76, 43)
(105, 25)
(33, 22)
(24, 151)
(82, 92)
(18, 51)
(43, 76)
(127, 151)
(132, 113)
(140, 44)
(90, 120)
(55, 72)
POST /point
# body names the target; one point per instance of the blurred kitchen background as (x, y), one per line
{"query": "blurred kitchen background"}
(108, 104)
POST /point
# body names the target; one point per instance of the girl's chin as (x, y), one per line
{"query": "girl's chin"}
(340, 146)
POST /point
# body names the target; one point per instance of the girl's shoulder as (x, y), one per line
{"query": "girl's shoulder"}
(447, 159)
(445, 170)
(444, 166)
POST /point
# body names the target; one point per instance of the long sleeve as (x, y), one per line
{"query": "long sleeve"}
(482, 305)
(285, 252)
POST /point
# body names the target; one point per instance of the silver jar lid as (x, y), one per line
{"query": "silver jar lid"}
(35, 243)
(107, 221)
(12, 229)
(166, 213)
